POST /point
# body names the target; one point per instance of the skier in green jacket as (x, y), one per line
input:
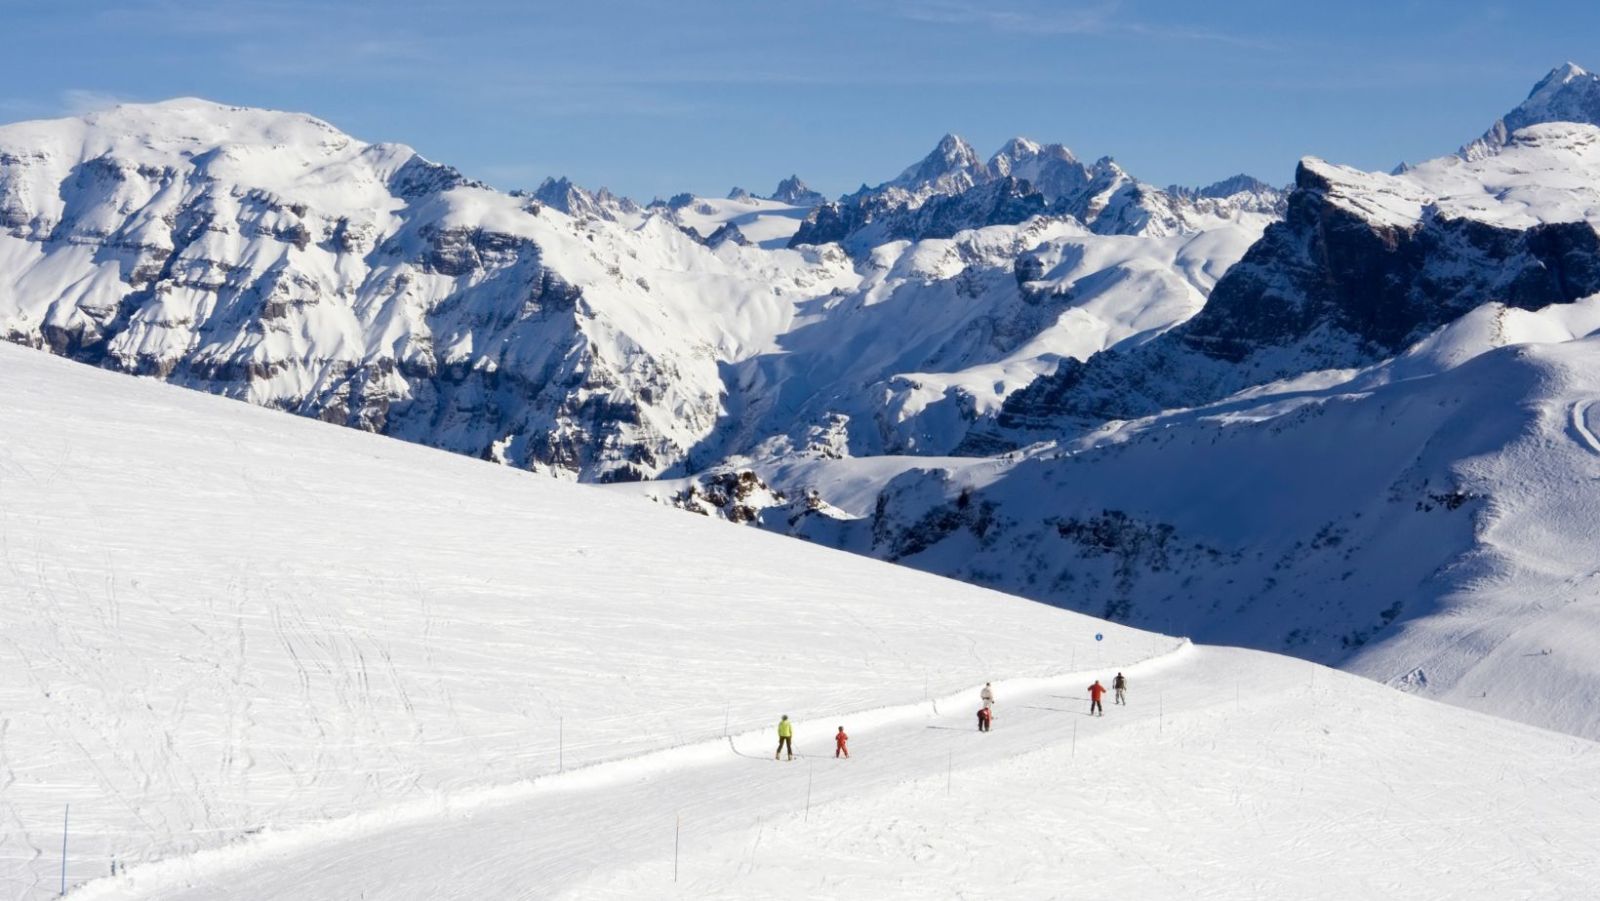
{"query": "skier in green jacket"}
(785, 738)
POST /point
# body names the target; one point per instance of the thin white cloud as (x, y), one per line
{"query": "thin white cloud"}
(1062, 18)
(81, 101)
(1099, 18)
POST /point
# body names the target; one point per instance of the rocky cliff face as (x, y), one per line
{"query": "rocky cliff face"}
(1361, 267)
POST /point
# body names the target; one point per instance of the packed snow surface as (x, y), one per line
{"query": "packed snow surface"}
(216, 619)
(267, 658)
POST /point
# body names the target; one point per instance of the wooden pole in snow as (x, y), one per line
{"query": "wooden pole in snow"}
(66, 818)
(677, 830)
(808, 791)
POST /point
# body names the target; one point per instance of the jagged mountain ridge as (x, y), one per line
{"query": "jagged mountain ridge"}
(795, 192)
(952, 189)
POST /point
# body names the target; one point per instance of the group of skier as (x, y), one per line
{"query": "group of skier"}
(841, 747)
(1097, 691)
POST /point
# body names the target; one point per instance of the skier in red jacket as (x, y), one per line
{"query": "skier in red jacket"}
(1096, 691)
(840, 746)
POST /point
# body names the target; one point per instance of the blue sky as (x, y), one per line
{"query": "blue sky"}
(652, 97)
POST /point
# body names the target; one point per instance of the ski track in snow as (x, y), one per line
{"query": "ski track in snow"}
(217, 867)
(1580, 426)
(1309, 785)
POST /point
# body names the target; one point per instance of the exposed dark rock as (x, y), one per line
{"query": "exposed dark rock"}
(1325, 288)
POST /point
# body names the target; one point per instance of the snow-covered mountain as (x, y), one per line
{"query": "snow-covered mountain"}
(262, 657)
(269, 257)
(795, 192)
(1567, 94)
(952, 190)
(1362, 266)
(562, 194)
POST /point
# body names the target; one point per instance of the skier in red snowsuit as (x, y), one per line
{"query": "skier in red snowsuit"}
(1096, 691)
(839, 744)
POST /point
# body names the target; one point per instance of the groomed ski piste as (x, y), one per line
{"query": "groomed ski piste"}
(262, 657)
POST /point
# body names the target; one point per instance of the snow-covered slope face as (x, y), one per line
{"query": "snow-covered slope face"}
(216, 619)
(1567, 94)
(769, 224)
(266, 256)
(941, 332)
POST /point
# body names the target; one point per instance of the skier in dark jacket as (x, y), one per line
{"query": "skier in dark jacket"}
(984, 716)
(1120, 686)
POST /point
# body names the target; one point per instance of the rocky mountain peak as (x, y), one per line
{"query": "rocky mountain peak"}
(562, 194)
(1567, 93)
(1013, 151)
(1559, 77)
(794, 191)
(1227, 187)
(952, 167)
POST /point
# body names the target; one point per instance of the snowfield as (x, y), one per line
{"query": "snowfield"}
(263, 657)
(216, 619)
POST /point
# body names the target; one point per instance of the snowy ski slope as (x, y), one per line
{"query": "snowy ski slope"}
(216, 619)
(268, 658)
